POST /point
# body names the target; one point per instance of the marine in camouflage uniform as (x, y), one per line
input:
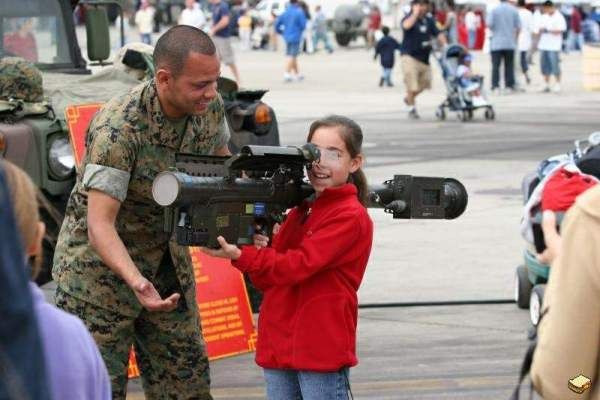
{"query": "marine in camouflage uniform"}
(128, 143)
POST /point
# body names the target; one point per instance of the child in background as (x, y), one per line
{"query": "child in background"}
(245, 29)
(73, 363)
(385, 48)
(469, 81)
(311, 273)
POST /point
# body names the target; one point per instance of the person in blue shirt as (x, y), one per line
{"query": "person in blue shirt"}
(290, 25)
(220, 33)
(419, 32)
(505, 24)
(385, 49)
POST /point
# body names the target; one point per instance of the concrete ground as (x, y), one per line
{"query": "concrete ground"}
(444, 352)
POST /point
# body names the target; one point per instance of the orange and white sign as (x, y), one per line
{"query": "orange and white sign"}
(225, 312)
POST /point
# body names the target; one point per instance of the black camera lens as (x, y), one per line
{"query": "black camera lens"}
(456, 198)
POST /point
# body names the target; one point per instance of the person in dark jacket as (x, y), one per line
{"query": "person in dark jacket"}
(311, 273)
(385, 49)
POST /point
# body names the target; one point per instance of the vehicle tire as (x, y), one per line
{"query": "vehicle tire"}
(440, 113)
(535, 303)
(522, 287)
(490, 114)
(343, 39)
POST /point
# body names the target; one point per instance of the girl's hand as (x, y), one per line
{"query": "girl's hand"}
(227, 250)
(260, 241)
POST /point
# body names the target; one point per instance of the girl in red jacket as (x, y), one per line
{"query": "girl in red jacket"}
(311, 273)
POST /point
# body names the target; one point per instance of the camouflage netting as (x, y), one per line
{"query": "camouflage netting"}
(20, 79)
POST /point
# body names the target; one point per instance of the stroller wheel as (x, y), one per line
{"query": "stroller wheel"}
(535, 303)
(489, 114)
(522, 287)
(463, 115)
(440, 113)
(470, 114)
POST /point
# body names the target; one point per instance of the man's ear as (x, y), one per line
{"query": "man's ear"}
(163, 77)
(36, 247)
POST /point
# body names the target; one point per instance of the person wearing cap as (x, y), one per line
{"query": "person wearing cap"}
(419, 32)
(551, 28)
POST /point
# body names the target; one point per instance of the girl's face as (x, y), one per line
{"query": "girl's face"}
(335, 164)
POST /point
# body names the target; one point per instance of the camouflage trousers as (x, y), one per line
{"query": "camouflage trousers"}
(169, 347)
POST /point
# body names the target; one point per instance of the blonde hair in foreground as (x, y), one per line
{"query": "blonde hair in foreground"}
(25, 207)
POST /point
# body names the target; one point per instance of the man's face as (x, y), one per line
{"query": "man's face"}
(548, 9)
(195, 87)
(190, 3)
(423, 9)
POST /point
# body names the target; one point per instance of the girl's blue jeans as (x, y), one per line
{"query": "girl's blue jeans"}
(286, 384)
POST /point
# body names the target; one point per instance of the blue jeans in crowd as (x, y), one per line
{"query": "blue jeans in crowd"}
(508, 58)
(322, 36)
(286, 384)
(386, 76)
(471, 39)
(146, 38)
(550, 62)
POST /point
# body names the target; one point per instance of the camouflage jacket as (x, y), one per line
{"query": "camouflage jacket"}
(128, 143)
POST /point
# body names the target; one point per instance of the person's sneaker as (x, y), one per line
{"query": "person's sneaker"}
(546, 89)
(390, 84)
(299, 77)
(527, 79)
(381, 82)
(412, 114)
(495, 91)
(556, 88)
(287, 77)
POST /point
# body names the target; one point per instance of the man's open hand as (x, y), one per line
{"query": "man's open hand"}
(150, 299)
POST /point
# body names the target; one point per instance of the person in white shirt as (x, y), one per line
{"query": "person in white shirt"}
(144, 20)
(524, 41)
(472, 24)
(552, 26)
(192, 15)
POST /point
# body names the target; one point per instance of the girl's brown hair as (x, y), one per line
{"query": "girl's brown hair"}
(352, 136)
(25, 207)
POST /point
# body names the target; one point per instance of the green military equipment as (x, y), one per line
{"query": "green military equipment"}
(52, 74)
(208, 197)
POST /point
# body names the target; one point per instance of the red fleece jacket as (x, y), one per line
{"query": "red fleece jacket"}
(310, 277)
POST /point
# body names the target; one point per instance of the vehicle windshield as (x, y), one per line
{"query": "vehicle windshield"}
(34, 30)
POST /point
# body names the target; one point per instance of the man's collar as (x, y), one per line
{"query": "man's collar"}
(161, 131)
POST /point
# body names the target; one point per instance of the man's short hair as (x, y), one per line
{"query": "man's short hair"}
(173, 47)
(385, 30)
(425, 2)
(548, 3)
(521, 3)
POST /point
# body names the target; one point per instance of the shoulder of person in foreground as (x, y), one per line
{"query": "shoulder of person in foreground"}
(568, 327)
(75, 365)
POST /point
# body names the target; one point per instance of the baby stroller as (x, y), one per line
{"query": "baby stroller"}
(458, 98)
(531, 276)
